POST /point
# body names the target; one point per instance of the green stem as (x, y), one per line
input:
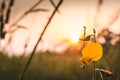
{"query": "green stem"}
(94, 73)
(83, 72)
(83, 66)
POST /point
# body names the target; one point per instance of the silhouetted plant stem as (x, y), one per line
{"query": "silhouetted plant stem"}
(53, 4)
(94, 31)
(83, 66)
(84, 34)
(33, 52)
(9, 11)
(94, 72)
(2, 8)
(1, 26)
(21, 17)
(83, 71)
(94, 64)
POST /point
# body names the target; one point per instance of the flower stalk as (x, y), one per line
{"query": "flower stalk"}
(83, 66)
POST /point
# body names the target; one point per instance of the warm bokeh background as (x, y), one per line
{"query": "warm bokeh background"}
(57, 55)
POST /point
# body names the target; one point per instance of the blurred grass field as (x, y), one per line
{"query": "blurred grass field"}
(52, 66)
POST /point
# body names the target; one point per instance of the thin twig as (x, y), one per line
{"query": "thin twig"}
(21, 17)
(94, 63)
(2, 8)
(11, 3)
(40, 9)
(53, 4)
(33, 52)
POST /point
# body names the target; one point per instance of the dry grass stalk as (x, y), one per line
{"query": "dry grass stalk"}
(33, 52)
(21, 17)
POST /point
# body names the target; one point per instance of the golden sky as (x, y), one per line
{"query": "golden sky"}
(74, 14)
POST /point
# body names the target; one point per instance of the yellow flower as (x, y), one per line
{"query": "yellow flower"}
(85, 60)
(93, 51)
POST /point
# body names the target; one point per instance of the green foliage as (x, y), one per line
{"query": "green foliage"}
(51, 66)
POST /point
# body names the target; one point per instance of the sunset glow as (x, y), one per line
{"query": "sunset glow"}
(75, 39)
(59, 39)
(68, 24)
